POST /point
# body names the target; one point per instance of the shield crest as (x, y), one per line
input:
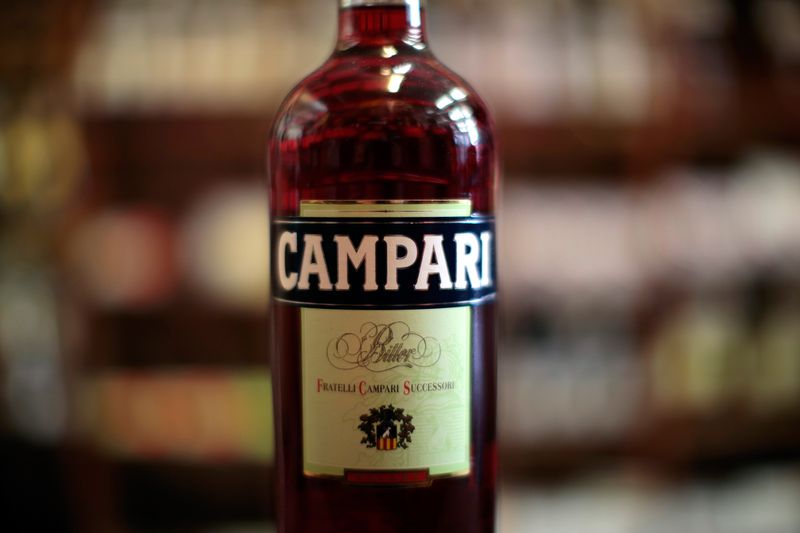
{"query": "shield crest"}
(387, 434)
(386, 428)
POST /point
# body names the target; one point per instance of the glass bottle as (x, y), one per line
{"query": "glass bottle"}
(381, 124)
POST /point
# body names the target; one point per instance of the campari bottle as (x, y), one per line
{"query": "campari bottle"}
(382, 187)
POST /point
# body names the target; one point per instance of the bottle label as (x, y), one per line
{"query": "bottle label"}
(386, 291)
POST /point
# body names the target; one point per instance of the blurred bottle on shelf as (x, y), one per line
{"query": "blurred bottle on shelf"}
(167, 264)
(775, 385)
(41, 160)
(191, 55)
(698, 360)
(172, 387)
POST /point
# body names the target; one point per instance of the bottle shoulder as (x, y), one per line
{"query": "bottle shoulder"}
(370, 91)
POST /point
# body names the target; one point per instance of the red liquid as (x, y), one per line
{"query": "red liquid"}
(382, 119)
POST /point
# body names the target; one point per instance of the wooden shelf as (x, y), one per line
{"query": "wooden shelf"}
(177, 335)
(724, 440)
(161, 158)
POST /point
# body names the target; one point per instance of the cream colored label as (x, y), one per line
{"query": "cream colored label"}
(386, 390)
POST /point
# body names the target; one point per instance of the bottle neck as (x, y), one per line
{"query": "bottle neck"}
(381, 23)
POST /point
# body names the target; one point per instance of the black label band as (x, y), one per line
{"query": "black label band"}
(383, 263)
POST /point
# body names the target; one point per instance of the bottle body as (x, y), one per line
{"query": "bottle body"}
(382, 121)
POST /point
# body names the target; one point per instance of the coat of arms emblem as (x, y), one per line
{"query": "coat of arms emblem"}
(386, 428)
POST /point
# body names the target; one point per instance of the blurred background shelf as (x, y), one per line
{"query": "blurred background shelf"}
(165, 159)
(721, 443)
(167, 337)
(201, 145)
(650, 247)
